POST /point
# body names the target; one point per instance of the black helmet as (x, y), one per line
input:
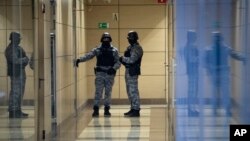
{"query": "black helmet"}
(132, 35)
(14, 35)
(106, 35)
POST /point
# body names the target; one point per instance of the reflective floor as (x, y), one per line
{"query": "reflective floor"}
(17, 129)
(151, 126)
(117, 127)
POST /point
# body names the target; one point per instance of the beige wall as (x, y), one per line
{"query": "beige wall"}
(67, 48)
(16, 16)
(81, 47)
(149, 19)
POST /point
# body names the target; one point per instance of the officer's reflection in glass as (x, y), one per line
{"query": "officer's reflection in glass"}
(132, 62)
(217, 65)
(107, 63)
(135, 128)
(191, 57)
(15, 129)
(16, 63)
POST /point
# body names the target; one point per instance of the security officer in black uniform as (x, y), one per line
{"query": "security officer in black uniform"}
(107, 63)
(132, 62)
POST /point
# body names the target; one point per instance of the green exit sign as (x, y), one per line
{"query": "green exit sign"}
(103, 25)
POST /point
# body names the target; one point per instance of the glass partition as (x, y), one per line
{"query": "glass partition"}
(17, 79)
(211, 72)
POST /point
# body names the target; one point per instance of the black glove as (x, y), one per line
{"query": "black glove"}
(111, 71)
(76, 62)
(120, 59)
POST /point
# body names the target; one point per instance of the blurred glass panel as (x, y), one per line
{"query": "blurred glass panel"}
(212, 64)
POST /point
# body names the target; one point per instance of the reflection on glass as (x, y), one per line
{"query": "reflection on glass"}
(217, 65)
(17, 60)
(191, 57)
(17, 79)
(223, 69)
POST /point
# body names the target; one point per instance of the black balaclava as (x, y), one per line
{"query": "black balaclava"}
(15, 38)
(132, 37)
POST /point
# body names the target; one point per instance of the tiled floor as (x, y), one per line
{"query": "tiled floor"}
(17, 129)
(117, 127)
(150, 126)
(154, 124)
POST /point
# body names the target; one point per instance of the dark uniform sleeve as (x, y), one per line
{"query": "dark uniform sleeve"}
(13, 57)
(89, 55)
(136, 53)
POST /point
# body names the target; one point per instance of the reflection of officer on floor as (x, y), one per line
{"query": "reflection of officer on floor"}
(106, 66)
(132, 62)
(107, 129)
(102, 129)
(135, 129)
(15, 130)
(98, 133)
(218, 67)
(16, 63)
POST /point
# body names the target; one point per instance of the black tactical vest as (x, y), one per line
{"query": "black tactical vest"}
(106, 57)
(128, 54)
(135, 68)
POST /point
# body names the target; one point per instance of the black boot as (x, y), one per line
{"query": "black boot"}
(129, 112)
(106, 111)
(17, 114)
(96, 111)
(25, 114)
(134, 113)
